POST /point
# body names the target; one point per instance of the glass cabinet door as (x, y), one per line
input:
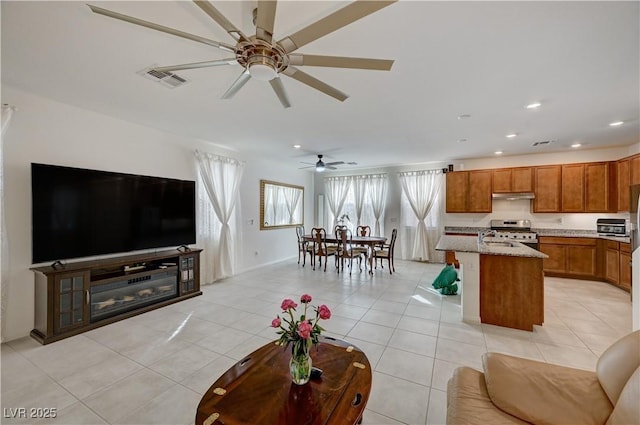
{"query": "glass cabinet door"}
(70, 299)
(187, 274)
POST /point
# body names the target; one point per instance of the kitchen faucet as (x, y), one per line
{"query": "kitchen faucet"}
(484, 234)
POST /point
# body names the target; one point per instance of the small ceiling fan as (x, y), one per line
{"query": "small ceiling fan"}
(321, 165)
(265, 59)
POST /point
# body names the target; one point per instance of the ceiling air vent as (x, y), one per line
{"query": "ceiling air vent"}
(544, 142)
(167, 79)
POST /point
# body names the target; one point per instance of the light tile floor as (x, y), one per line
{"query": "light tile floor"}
(154, 368)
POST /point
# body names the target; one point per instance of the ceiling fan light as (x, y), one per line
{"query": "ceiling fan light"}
(320, 168)
(262, 68)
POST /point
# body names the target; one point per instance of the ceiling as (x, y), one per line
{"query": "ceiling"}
(487, 60)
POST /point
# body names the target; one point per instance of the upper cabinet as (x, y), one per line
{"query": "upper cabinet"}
(590, 187)
(634, 171)
(511, 180)
(469, 191)
(624, 178)
(600, 187)
(547, 188)
(573, 188)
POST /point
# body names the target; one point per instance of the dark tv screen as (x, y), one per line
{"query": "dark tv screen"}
(80, 213)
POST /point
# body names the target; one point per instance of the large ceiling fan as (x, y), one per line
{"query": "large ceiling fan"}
(265, 59)
(320, 166)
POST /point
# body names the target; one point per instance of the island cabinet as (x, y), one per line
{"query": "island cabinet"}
(468, 191)
(570, 257)
(512, 180)
(75, 297)
(547, 180)
(511, 291)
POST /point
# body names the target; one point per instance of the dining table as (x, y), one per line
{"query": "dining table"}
(369, 241)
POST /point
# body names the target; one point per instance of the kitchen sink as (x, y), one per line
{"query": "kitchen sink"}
(496, 243)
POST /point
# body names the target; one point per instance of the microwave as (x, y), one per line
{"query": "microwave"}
(611, 226)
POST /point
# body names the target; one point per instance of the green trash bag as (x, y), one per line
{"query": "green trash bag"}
(446, 281)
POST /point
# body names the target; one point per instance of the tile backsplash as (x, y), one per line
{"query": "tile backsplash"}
(521, 209)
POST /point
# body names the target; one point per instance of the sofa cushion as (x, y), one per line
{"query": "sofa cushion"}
(468, 402)
(627, 410)
(544, 393)
(618, 363)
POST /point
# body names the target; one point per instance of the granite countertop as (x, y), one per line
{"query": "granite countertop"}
(470, 244)
(566, 233)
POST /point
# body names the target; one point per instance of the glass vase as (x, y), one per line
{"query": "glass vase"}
(300, 363)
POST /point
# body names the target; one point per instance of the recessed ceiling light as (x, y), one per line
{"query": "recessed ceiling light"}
(616, 123)
(576, 145)
(498, 152)
(462, 140)
(297, 146)
(511, 136)
(464, 116)
(534, 105)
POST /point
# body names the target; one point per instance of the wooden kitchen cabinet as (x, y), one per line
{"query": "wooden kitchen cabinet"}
(634, 169)
(625, 266)
(624, 179)
(569, 257)
(612, 262)
(468, 191)
(547, 188)
(573, 188)
(600, 187)
(510, 180)
(457, 187)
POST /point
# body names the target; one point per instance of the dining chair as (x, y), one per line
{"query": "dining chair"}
(386, 251)
(320, 247)
(304, 247)
(346, 250)
(363, 231)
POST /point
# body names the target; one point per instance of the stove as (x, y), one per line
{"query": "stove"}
(515, 230)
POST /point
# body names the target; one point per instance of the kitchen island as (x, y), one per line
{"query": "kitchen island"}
(502, 281)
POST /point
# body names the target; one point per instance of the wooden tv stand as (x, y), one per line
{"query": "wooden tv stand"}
(76, 297)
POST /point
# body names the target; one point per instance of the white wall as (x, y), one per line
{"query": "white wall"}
(50, 132)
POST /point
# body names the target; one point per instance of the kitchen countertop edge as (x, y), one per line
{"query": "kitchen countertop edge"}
(470, 244)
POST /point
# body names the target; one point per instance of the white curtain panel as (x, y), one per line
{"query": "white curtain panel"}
(360, 186)
(219, 179)
(378, 194)
(7, 112)
(292, 198)
(422, 191)
(337, 189)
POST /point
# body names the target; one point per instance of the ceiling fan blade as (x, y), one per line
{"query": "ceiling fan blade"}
(334, 163)
(161, 28)
(307, 79)
(329, 167)
(341, 18)
(229, 61)
(237, 85)
(221, 20)
(265, 20)
(340, 62)
(278, 87)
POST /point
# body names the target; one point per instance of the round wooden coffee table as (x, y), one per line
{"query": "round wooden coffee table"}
(258, 389)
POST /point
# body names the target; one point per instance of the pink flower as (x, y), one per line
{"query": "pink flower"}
(276, 322)
(305, 299)
(287, 304)
(304, 330)
(324, 312)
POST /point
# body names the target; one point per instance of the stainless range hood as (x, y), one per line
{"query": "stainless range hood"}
(514, 196)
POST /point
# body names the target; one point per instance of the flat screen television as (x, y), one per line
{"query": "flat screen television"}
(79, 213)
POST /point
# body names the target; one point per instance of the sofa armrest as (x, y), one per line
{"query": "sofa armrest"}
(468, 402)
(544, 393)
